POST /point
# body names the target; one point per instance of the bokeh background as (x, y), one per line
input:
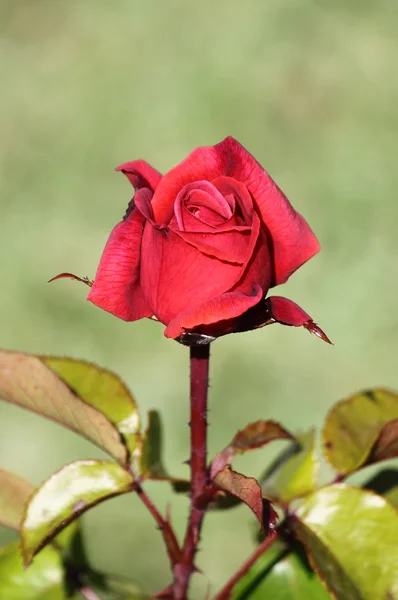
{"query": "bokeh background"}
(311, 89)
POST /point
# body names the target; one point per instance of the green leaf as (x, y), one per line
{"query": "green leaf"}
(69, 492)
(148, 461)
(294, 473)
(102, 390)
(26, 381)
(356, 431)
(280, 574)
(253, 436)
(150, 464)
(14, 494)
(351, 539)
(42, 581)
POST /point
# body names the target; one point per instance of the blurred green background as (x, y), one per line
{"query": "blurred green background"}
(311, 89)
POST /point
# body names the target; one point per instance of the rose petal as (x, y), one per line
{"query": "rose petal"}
(229, 186)
(258, 266)
(202, 195)
(141, 174)
(173, 273)
(229, 246)
(193, 224)
(292, 239)
(219, 308)
(116, 287)
(142, 201)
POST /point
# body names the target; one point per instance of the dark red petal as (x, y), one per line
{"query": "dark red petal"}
(141, 174)
(229, 186)
(220, 308)
(292, 239)
(202, 194)
(229, 246)
(142, 200)
(116, 287)
(257, 266)
(175, 274)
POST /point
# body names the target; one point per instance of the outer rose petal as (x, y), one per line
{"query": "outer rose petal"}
(141, 174)
(292, 239)
(175, 274)
(116, 287)
(220, 308)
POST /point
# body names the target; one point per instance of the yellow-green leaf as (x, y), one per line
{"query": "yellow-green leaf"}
(294, 473)
(43, 580)
(280, 574)
(356, 431)
(351, 537)
(26, 381)
(69, 492)
(148, 457)
(14, 495)
(102, 390)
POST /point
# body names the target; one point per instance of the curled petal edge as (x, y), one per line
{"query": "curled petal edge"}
(220, 308)
(141, 174)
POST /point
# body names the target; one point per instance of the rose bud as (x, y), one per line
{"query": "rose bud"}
(199, 247)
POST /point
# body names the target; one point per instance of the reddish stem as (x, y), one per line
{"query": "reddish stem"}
(226, 591)
(199, 358)
(170, 538)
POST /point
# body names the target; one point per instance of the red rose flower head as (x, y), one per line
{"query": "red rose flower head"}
(199, 248)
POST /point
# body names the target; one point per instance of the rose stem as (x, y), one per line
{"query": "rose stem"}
(199, 358)
(225, 593)
(170, 538)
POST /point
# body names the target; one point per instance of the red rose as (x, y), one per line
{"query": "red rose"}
(203, 244)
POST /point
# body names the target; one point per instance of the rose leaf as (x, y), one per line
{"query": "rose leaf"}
(65, 495)
(361, 430)
(294, 473)
(27, 382)
(350, 536)
(104, 391)
(280, 573)
(149, 463)
(14, 495)
(253, 436)
(247, 490)
(44, 580)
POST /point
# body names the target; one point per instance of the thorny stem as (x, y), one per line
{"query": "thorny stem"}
(170, 538)
(199, 358)
(226, 591)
